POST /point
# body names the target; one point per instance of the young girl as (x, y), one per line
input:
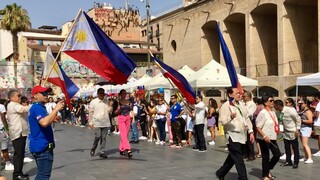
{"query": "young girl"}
(212, 106)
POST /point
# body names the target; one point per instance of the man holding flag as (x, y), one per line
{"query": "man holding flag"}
(234, 118)
(41, 133)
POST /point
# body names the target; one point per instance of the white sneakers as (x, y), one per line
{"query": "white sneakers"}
(308, 161)
(317, 153)
(114, 132)
(162, 143)
(143, 138)
(211, 143)
(9, 166)
(27, 159)
(284, 157)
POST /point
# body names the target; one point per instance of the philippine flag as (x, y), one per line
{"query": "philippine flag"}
(229, 63)
(58, 77)
(178, 79)
(89, 45)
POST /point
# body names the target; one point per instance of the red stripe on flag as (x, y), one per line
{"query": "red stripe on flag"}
(181, 87)
(100, 63)
(58, 82)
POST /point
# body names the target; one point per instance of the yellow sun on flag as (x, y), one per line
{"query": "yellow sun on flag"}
(81, 36)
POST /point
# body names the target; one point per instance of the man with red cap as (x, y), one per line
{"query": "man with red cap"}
(41, 134)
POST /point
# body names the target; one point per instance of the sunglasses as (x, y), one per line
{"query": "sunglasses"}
(271, 100)
(44, 93)
(19, 95)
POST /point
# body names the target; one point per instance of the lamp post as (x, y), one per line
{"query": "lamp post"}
(148, 35)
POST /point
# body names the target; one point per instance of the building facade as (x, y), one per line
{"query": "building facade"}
(273, 41)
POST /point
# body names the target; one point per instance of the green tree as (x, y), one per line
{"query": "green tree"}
(15, 19)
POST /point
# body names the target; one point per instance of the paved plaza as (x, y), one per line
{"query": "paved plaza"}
(150, 161)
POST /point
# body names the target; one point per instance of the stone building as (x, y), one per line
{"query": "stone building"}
(273, 41)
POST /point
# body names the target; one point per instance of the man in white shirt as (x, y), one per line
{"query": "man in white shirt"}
(233, 116)
(99, 110)
(251, 108)
(291, 128)
(200, 113)
(18, 131)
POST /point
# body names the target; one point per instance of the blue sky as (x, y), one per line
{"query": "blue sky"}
(57, 12)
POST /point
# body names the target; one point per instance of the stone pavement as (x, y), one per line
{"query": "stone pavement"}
(150, 161)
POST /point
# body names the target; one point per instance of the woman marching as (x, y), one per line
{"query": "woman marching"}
(124, 121)
(268, 128)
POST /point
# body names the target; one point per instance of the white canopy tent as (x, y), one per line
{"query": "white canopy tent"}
(162, 82)
(308, 80)
(215, 75)
(139, 82)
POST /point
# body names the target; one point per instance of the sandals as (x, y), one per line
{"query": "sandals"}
(122, 153)
(258, 156)
(129, 154)
(270, 176)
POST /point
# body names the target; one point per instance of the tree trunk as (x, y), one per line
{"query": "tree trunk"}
(15, 57)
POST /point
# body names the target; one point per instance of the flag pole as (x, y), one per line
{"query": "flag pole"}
(64, 41)
(178, 94)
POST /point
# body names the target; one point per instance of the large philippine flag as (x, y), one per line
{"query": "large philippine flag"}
(178, 79)
(58, 77)
(229, 63)
(89, 45)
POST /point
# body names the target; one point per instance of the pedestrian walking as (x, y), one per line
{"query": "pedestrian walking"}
(124, 121)
(99, 121)
(234, 118)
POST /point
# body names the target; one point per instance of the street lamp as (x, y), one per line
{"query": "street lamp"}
(148, 35)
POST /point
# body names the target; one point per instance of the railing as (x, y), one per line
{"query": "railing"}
(306, 66)
(263, 70)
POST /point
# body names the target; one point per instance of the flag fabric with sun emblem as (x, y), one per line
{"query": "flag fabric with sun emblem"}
(58, 77)
(89, 45)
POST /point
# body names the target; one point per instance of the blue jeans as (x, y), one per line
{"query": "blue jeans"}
(161, 123)
(44, 162)
(134, 131)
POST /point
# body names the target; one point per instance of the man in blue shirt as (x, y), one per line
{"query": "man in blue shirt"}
(175, 112)
(41, 134)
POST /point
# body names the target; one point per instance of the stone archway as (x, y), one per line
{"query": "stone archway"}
(264, 41)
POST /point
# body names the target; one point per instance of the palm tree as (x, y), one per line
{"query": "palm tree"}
(15, 19)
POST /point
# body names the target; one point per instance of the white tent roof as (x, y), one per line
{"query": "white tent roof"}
(139, 82)
(309, 80)
(215, 75)
(162, 82)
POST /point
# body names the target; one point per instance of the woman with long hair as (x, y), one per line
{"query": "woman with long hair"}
(153, 126)
(124, 121)
(306, 128)
(268, 128)
(212, 107)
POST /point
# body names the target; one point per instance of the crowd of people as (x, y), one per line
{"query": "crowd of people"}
(247, 122)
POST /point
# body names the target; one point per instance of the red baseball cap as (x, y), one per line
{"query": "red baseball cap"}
(40, 89)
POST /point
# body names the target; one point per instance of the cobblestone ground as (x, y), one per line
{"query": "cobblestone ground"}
(150, 161)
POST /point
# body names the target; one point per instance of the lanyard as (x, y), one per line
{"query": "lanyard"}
(231, 103)
(276, 126)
